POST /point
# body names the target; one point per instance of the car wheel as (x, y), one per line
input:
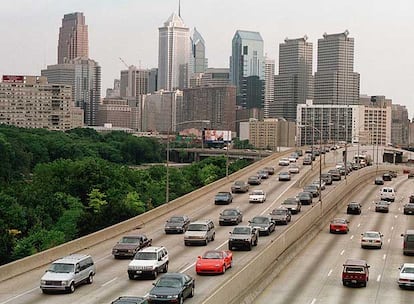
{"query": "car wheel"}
(90, 279)
(255, 243)
(131, 276)
(165, 268)
(224, 269)
(249, 247)
(206, 242)
(213, 236)
(231, 263)
(72, 287)
(230, 246)
(181, 300)
(155, 274)
(191, 292)
(364, 284)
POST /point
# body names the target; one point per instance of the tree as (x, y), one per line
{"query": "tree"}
(97, 200)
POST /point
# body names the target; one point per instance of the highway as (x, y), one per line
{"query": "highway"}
(314, 276)
(111, 280)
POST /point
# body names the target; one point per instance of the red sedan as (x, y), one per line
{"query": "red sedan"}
(214, 261)
(339, 225)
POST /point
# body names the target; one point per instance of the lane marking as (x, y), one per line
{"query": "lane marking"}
(342, 252)
(330, 272)
(359, 225)
(392, 228)
(378, 278)
(395, 216)
(109, 282)
(101, 259)
(384, 256)
(352, 236)
(20, 295)
(389, 240)
(313, 301)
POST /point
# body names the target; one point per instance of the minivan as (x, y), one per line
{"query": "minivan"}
(200, 232)
(66, 273)
(408, 243)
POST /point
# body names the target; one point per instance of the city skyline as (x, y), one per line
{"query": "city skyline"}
(130, 30)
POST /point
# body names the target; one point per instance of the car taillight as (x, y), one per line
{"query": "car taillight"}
(404, 280)
(377, 241)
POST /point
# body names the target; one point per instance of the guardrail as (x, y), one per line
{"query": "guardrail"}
(15, 268)
(236, 288)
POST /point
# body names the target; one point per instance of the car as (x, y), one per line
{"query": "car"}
(214, 261)
(382, 206)
(243, 237)
(292, 158)
(305, 198)
(307, 161)
(284, 176)
(408, 242)
(320, 183)
(410, 174)
(284, 162)
(293, 204)
(386, 177)
(223, 198)
(327, 178)
(254, 180)
(128, 245)
(172, 288)
(240, 186)
(130, 300)
(200, 232)
(354, 208)
(355, 272)
(294, 169)
(393, 173)
(371, 239)
(263, 174)
(379, 181)
(270, 170)
(281, 215)
(406, 170)
(264, 223)
(406, 276)
(387, 194)
(68, 272)
(177, 224)
(312, 189)
(149, 262)
(339, 225)
(257, 196)
(231, 216)
(411, 199)
(299, 152)
(336, 175)
(409, 208)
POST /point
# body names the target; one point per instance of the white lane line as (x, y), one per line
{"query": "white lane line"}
(395, 216)
(369, 208)
(264, 211)
(384, 256)
(389, 240)
(109, 282)
(313, 301)
(352, 236)
(101, 259)
(379, 278)
(330, 272)
(359, 225)
(392, 228)
(342, 252)
(20, 295)
(192, 265)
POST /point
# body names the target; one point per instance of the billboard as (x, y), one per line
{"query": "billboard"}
(217, 136)
(13, 79)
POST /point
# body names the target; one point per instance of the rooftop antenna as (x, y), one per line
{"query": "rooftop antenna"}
(179, 8)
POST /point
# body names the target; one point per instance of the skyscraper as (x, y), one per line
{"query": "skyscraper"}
(173, 54)
(247, 68)
(198, 53)
(269, 86)
(335, 80)
(73, 38)
(294, 83)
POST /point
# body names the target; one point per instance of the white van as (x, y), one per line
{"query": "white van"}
(387, 194)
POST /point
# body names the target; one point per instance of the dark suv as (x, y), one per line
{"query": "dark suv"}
(353, 208)
(243, 237)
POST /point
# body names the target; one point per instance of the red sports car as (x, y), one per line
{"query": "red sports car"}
(339, 225)
(214, 261)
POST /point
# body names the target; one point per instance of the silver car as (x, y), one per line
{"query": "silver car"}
(371, 239)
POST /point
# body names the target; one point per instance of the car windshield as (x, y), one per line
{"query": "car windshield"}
(257, 192)
(169, 282)
(354, 269)
(260, 220)
(371, 234)
(279, 212)
(289, 202)
(339, 221)
(241, 230)
(213, 255)
(239, 183)
(253, 177)
(130, 240)
(145, 256)
(229, 212)
(61, 268)
(197, 227)
(176, 219)
(408, 270)
(221, 194)
(304, 194)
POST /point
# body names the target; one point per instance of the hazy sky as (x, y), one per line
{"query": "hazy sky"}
(383, 32)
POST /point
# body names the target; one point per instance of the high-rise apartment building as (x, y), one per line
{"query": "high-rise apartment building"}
(269, 86)
(31, 102)
(73, 38)
(294, 84)
(271, 133)
(174, 54)
(247, 68)
(336, 82)
(84, 75)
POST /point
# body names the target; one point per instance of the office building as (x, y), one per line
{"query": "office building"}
(73, 38)
(198, 53)
(215, 104)
(114, 92)
(134, 83)
(173, 54)
(294, 83)
(31, 102)
(269, 86)
(247, 68)
(271, 133)
(399, 125)
(119, 113)
(84, 76)
(336, 83)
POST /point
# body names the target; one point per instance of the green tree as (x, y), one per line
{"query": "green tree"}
(97, 200)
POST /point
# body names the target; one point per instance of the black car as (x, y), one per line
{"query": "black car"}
(336, 175)
(223, 198)
(177, 224)
(281, 215)
(130, 300)
(386, 177)
(305, 198)
(264, 224)
(327, 178)
(231, 216)
(172, 288)
(411, 199)
(393, 174)
(409, 208)
(254, 180)
(379, 181)
(312, 189)
(354, 208)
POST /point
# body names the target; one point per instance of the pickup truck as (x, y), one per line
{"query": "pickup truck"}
(257, 196)
(355, 272)
(243, 237)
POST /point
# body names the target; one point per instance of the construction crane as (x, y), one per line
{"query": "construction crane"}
(123, 62)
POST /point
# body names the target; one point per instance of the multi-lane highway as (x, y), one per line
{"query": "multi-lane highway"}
(314, 276)
(112, 280)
